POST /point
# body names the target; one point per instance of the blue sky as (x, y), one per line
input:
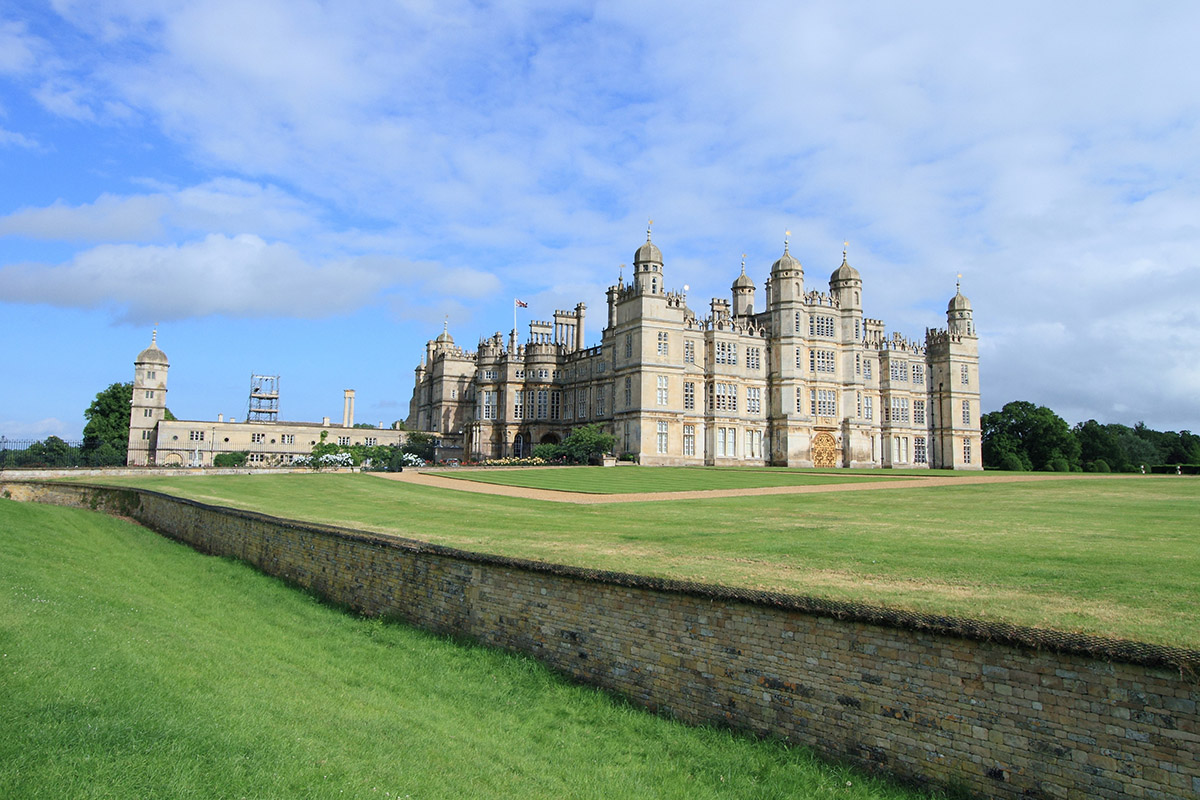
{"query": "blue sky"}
(310, 189)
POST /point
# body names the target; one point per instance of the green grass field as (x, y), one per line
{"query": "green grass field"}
(635, 480)
(133, 667)
(1112, 556)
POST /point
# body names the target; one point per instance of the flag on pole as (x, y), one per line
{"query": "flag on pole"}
(520, 304)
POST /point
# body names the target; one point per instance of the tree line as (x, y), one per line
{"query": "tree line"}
(1022, 436)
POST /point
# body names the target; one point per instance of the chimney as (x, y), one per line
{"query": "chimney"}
(348, 409)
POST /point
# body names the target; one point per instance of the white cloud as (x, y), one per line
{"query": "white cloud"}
(18, 50)
(240, 276)
(225, 205)
(17, 430)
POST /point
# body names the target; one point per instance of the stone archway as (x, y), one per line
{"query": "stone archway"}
(824, 451)
(550, 438)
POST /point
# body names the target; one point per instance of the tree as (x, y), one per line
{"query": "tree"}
(108, 424)
(1036, 435)
(420, 444)
(584, 444)
(1099, 444)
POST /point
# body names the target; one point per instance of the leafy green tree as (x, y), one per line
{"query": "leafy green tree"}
(1099, 443)
(237, 459)
(422, 445)
(1036, 435)
(583, 445)
(108, 423)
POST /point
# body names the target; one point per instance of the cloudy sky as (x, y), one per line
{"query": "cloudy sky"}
(310, 189)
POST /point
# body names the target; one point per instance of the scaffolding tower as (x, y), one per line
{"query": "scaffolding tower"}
(264, 398)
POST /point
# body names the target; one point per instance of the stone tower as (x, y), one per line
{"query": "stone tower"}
(954, 389)
(149, 403)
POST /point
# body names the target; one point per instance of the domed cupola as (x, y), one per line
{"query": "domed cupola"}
(846, 284)
(152, 355)
(444, 338)
(959, 316)
(787, 266)
(648, 267)
(743, 293)
(845, 272)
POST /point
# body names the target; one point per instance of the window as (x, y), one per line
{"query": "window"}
(753, 444)
(918, 374)
(542, 397)
(821, 361)
(754, 399)
(866, 368)
(344, 441)
(628, 392)
(543, 374)
(145, 435)
(919, 453)
(489, 405)
(689, 395)
(868, 408)
(196, 436)
(520, 375)
(966, 451)
(662, 343)
(287, 438)
(966, 376)
(858, 363)
(689, 352)
(599, 401)
(725, 397)
(629, 345)
(753, 358)
(858, 403)
(824, 402)
(519, 405)
(857, 334)
(727, 442)
(662, 390)
(581, 403)
(966, 409)
(899, 409)
(918, 412)
(150, 374)
(555, 404)
(797, 327)
(149, 394)
(820, 326)
(370, 441)
(258, 438)
(689, 440)
(900, 370)
(661, 437)
(148, 412)
(489, 374)
(726, 353)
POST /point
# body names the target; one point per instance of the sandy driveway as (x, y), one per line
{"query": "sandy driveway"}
(440, 481)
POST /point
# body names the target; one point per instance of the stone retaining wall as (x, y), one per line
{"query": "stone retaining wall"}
(997, 711)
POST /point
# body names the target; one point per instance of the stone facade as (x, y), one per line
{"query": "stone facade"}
(157, 441)
(807, 382)
(992, 710)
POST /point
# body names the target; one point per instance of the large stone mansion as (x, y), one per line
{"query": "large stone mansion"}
(807, 382)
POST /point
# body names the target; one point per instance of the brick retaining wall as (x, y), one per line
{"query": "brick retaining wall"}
(998, 711)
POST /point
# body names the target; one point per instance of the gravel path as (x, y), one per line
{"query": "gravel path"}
(581, 498)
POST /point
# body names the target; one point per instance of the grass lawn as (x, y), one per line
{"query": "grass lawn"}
(133, 667)
(633, 480)
(1112, 556)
